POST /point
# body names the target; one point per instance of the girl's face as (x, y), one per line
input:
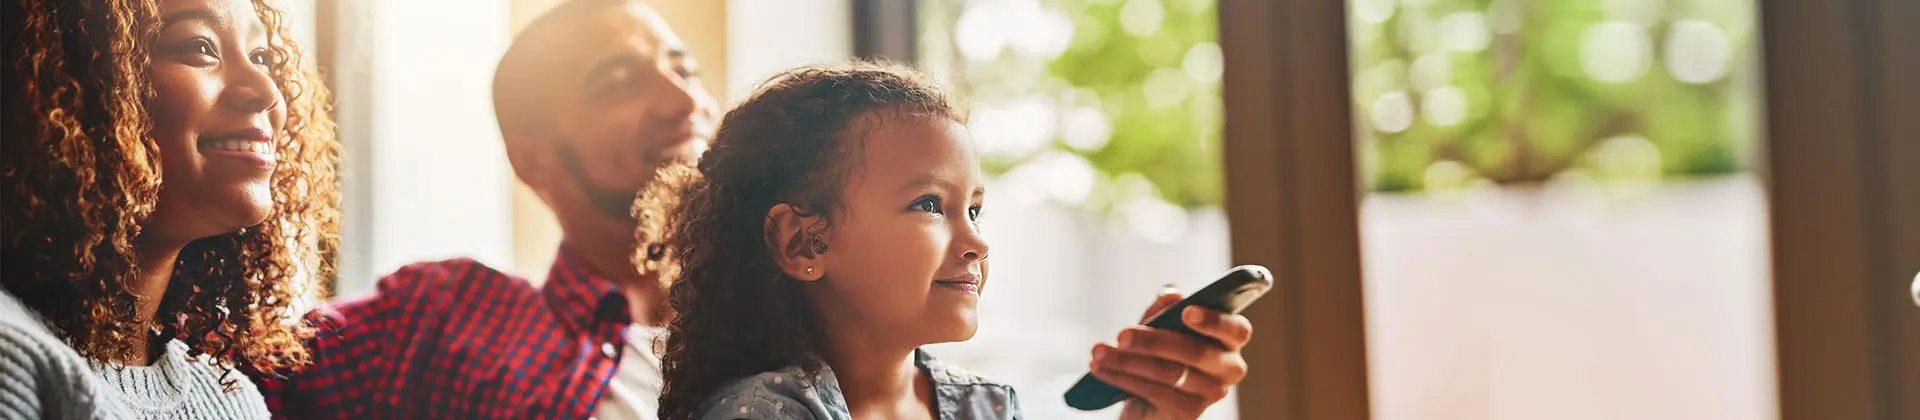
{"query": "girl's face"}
(905, 257)
(216, 111)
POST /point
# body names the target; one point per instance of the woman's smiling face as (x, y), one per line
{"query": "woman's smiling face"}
(216, 113)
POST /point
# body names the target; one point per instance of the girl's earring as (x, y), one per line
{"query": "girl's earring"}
(809, 270)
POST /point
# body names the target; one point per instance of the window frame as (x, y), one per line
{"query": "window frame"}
(1846, 213)
(1294, 206)
(886, 29)
(341, 34)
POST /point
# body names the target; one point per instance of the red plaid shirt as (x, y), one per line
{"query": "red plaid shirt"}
(457, 339)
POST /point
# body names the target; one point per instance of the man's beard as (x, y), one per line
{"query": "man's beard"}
(613, 202)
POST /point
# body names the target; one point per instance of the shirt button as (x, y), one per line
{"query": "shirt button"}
(606, 349)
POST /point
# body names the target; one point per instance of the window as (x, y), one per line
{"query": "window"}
(424, 174)
(1563, 216)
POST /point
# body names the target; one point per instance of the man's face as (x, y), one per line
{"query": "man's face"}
(625, 98)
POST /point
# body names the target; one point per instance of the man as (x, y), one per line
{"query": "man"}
(592, 97)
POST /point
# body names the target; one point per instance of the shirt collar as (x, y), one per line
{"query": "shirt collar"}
(582, 296)
(942, 373)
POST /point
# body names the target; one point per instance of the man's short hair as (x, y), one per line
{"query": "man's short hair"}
(518, 103)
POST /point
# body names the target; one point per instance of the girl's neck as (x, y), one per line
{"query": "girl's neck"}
(156, 271)
(880, 381)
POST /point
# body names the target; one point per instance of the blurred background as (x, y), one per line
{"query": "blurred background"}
(1562, 206)
(1564, 216)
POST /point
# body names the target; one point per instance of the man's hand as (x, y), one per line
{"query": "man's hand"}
(1172, 375)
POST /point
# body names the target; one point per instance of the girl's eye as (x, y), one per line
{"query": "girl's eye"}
(973, 213)
(927, 203)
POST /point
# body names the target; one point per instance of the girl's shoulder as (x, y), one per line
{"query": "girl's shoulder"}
(797, 393)
(788, 393)
(968, 395)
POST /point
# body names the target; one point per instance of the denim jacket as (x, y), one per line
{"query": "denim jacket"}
(791, 393)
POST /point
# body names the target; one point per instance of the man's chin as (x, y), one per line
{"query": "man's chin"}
(614, 205)
(683, 153)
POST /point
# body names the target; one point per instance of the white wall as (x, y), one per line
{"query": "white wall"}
(767, 36)
(300, 15)
(1562, 303)
(433, 159)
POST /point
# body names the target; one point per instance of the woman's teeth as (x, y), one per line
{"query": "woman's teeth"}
(260, 147)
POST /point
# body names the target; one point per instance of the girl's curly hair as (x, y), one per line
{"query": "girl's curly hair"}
(798, 141)
(80, 173)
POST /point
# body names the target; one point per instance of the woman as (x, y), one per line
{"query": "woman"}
(168, 179)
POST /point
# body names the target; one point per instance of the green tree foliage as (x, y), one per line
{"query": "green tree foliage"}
(1509, 91)
(1526, 89)
(1156, 84)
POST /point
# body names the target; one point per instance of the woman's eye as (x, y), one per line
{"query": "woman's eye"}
(262, 58)
(199, 47)
(195, 52)
(929, 204)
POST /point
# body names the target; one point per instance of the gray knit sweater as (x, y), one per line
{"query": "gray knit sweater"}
(41, 377)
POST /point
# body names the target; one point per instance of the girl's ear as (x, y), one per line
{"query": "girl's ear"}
(797, 242)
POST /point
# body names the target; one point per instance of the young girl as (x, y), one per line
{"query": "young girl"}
(831, 231)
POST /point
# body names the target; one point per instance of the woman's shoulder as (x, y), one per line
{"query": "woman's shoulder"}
(25, 337)
(42, 376)
(788, 393)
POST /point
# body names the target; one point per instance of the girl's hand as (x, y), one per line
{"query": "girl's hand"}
(1171, 375)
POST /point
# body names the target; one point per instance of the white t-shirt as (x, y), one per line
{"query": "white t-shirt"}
(634, 392)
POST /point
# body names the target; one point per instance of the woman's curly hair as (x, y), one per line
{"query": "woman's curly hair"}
(798, 140)
(80, 173)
